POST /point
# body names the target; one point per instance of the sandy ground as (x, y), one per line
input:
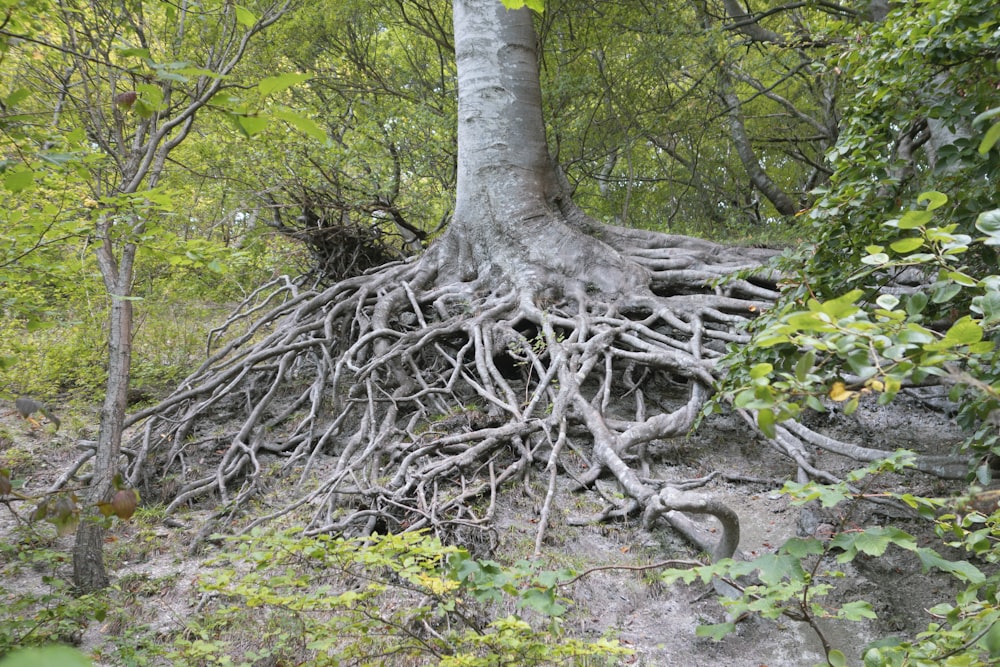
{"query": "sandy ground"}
(658, 622)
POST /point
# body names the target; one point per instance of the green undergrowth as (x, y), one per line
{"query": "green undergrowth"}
(68, 357)
(801, 580)
(39, 607)
(399, 599)
(285, 598)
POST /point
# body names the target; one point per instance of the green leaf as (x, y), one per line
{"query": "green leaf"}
(800, 548)
(761, 370)
(916, 303)
(542, 600)
(775, 568)
(303, 124)
(250, 125)
(765, 421)
(275, 84)
(945, 292)
(963, 570)
(965, 331)
(876, 259)
(962, 279)
(836, 658)
(17, 96)
(874, 658)
(63, 656)
(857, 610)
(992, 640)
(986, 115)
(17, 180)
(245, 17)
(914, 219)
(933, 198)
(988, 305)
(134, 52)
(717, 631)
(536, 5)
(989, 139)
(887, 301)
(150, 100)
(988, 223)
(843, 305)
(907, 245)
(804, 365)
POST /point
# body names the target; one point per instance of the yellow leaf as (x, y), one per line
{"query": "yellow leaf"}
(875, 384)
(840, 393)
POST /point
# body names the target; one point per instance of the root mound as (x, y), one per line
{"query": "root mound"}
(424, 393)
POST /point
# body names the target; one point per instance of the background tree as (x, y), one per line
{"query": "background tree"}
(120, 78)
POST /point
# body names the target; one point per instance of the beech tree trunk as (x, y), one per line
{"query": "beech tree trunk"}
(512, 220)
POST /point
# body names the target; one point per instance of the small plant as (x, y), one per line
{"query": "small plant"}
(321, 600)
(34, 618)
(795, 581)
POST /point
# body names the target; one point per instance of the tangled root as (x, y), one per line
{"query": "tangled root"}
(405, 400)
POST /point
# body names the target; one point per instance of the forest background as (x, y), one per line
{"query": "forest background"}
(859, 139)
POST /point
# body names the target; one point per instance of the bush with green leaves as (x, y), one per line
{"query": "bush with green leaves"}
(38, 615)
(902, 288)
(325, 600)
(919, 86)
(798, 579)
(873, 340)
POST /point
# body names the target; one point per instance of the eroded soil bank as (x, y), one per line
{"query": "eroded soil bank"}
(658, 622)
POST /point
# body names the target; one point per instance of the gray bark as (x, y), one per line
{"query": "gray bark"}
(89, 573)
(509, 224)
(746, 25)
(744, 148)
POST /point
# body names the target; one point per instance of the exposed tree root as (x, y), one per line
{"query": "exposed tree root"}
(405, 399)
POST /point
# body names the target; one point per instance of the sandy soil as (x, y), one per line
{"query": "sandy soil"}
(657, 621)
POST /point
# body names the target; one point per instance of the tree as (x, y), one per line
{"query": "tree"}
(691, 115)
(119, 74)
(364, 196)
(528, 332)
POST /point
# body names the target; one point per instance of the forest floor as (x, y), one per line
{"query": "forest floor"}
(150, 560)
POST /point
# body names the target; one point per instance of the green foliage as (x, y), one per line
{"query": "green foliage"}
(536, 5)
(963, 632)
(797, 580)
(879, 340)
(929, 66)
(322, 600)
(39, 607)
(69, 356)
(63, 656)
(839, 334)
(836, 332)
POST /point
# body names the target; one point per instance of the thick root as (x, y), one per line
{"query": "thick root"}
(405, 400)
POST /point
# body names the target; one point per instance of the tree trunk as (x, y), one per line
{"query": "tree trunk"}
(511, 214)
(744, 148)
(89, 573)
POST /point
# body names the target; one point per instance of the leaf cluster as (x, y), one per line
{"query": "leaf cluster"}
(327, 599)
(797, 579)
